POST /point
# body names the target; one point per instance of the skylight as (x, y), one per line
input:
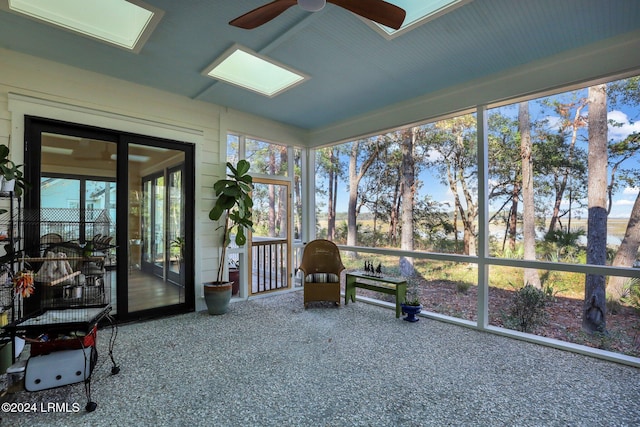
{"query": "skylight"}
(418, 12)
(126, 24)
(243, 67)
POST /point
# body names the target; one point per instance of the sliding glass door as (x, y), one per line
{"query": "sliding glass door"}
(126, 191)
(163, 226)
(156, 228)
(153, 225)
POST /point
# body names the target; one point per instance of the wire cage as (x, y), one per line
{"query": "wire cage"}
(7, 291)
(68, 252)
(54, 225)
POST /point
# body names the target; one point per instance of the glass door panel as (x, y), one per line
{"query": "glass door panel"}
(175, 224)
(270, 240)
(156, 224)
(100, 209)
(127, 190)
(77, 204)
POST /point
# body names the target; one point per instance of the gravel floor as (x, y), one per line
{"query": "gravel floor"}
(269, 362)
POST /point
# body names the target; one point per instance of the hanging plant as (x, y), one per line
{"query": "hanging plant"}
(23, 283)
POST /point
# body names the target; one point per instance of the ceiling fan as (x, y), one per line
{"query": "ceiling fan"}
(378, 11)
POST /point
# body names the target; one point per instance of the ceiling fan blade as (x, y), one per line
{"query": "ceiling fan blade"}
(262, 14)
(378, 11)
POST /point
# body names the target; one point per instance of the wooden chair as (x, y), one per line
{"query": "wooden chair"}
(321, 267)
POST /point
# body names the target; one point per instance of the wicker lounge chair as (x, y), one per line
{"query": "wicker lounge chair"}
(321, 267)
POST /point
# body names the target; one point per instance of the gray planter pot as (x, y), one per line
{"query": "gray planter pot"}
(217, 297)
(8, 185)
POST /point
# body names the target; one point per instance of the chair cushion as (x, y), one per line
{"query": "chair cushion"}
(322, 278)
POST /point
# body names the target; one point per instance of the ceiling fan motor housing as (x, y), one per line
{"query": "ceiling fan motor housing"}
(312, 5)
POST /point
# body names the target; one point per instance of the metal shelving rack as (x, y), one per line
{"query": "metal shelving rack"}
(10, 254)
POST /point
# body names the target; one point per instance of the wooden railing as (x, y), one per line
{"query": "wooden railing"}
(269, 265)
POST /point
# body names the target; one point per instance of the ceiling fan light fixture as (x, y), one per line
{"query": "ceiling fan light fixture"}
(312, 5)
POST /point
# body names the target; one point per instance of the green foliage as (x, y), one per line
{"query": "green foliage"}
(235, 204)
(632, 293)
(527, 309)
(550, 290)
(462, 287)
(613, 305)
(179, 245)
(565, 238)
(414, 301)
(234, 201)
(562, 246)
(515, 253)
(602, 340)
(413, 292)
(9, 170)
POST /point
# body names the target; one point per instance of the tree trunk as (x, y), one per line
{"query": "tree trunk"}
(272, 210)
(353, 196)
(408, 189)
(272, 197)
(331, 207)
(563, 177)
(627, 252)
(392, 233)
(355, 176)
(297, 191)
(531, 276)
(594, 309)
(513, 216)
(468, 237)
(283, 201)
(468, 217)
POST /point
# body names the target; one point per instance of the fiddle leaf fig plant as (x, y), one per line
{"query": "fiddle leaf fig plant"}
(234, 206)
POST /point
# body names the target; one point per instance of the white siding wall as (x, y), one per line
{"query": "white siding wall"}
(33, 86)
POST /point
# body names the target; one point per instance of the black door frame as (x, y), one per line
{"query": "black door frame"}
(35, 126)
(151, 267)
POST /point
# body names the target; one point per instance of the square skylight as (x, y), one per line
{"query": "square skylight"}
(126, 24)
(418, 13)
(242, 67)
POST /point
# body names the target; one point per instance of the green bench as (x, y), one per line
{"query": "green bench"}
(385, 285)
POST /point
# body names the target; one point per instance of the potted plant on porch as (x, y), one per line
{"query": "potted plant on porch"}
(412, 306)
(234, 206)
(12, 176)
(179, 244)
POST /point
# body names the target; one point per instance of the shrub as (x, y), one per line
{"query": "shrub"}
(552, 291)
(631, 295)
(462, 287)
(527, 309)
(613, 305)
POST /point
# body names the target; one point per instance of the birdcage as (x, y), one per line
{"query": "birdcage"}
(67, 251)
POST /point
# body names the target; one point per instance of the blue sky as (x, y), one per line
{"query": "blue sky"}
(623, 200)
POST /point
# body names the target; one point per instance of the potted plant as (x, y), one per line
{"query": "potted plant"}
(13, 179)
(179, 244)
(234, 206)
(412, 305)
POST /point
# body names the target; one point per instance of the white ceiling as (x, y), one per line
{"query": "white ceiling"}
(353, 69)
